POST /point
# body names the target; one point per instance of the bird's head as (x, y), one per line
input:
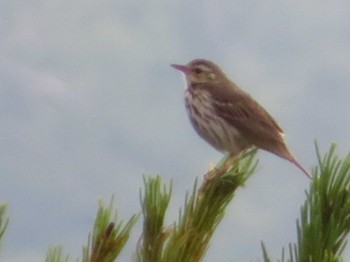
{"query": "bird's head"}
(201, 71)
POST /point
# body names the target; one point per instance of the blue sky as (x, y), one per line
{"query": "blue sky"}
(89, 103)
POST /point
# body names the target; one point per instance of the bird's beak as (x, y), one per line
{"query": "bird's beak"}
(182, 68)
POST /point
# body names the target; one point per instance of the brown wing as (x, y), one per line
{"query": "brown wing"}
(241, 111)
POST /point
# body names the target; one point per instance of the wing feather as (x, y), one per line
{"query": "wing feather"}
(240, 110)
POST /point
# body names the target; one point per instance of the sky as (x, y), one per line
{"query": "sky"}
(89, 104)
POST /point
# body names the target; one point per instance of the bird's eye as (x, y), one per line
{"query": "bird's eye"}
(198, 70)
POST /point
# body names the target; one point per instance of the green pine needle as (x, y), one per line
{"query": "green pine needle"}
(4, 220)
(109, 235)
(154, 203)
(204, 210)
(324, 222)
(55, 254)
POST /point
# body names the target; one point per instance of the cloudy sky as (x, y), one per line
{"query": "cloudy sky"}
(89, 103)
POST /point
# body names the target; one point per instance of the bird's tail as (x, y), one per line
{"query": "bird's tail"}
(284, 152)
(296, 162)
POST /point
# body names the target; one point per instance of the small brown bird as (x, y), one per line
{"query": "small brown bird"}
(227, 117)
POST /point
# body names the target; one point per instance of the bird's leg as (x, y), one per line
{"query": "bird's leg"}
(214, 174)
(218, 171)
(229, 162)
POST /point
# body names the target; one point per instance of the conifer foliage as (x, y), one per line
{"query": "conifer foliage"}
(321, 229)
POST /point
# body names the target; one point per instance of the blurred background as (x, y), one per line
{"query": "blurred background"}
(89, 103)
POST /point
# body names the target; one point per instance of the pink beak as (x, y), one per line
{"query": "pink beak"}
(182, 68)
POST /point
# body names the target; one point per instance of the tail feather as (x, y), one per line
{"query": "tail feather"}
(283, 151)
(295, 162)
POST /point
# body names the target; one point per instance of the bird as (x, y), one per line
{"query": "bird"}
(226, 116)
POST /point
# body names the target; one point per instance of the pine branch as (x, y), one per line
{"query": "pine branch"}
(154, 205)
(322, 228)
(4, 220)
(204, 210)
(109, 235)
(324, 221)
(108, 238)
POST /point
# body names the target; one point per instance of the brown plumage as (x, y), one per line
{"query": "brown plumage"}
(227, 117)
